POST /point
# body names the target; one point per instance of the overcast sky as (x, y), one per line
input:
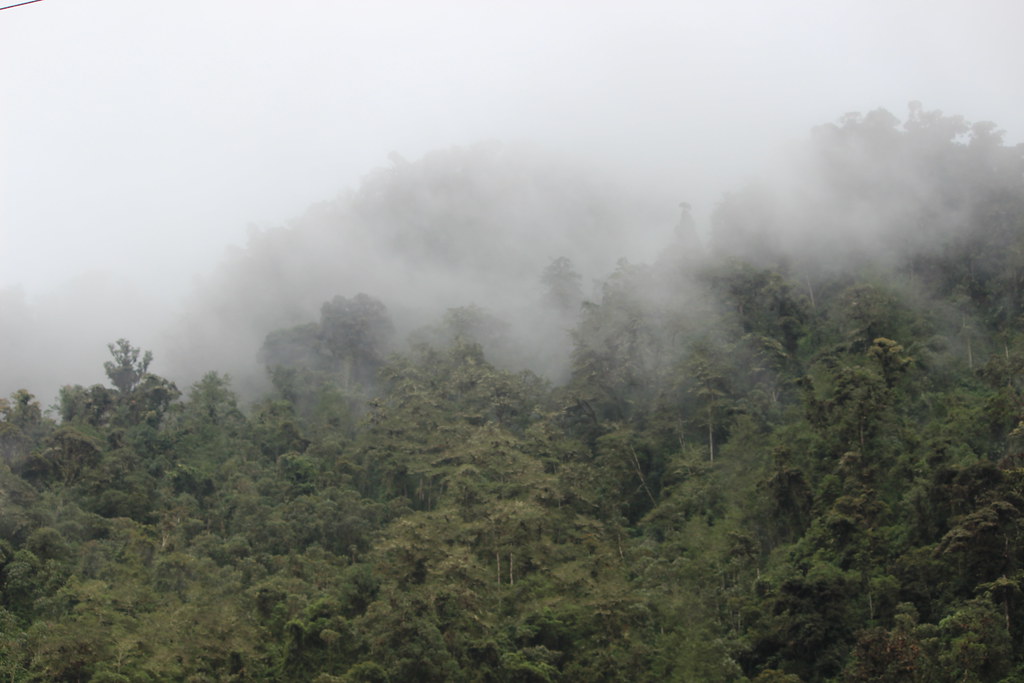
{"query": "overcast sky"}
(141, 138)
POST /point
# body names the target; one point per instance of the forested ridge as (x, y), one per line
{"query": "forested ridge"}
(793, 454)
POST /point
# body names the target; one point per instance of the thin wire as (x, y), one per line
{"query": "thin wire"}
(20, 4)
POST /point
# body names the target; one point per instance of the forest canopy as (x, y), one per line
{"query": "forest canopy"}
(795, 453)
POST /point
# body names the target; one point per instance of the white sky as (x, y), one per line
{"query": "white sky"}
(141, 138)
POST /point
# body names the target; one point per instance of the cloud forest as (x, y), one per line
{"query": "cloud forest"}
(492, 417)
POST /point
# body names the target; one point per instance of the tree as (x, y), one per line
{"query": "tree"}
(92, 405)
(126, 370)
(619, 346)
(562, 284)
(356, 334)
(328, 370)
(710, 389)
(22, 425)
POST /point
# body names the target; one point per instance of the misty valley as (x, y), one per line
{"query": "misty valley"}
(492, 417)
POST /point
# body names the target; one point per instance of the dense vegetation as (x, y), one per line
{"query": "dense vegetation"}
(769, 462)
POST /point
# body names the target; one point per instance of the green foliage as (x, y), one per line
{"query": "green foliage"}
(331, 367)
(761, 468)
(125, 371)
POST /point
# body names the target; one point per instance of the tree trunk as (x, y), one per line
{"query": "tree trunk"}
(711, 437)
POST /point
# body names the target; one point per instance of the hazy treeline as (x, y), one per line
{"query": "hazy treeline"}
(473, 226)
(465, 226)
(791, 453)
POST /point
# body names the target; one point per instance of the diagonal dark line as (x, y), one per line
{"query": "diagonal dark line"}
(28, 2)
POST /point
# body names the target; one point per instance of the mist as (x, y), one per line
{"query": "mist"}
(194, 178)
(463, 227)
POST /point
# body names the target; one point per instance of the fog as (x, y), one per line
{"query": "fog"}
(194, 175)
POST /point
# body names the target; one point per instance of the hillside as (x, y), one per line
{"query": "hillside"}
(793, 454)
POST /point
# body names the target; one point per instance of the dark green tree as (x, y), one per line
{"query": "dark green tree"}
(126, 370)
